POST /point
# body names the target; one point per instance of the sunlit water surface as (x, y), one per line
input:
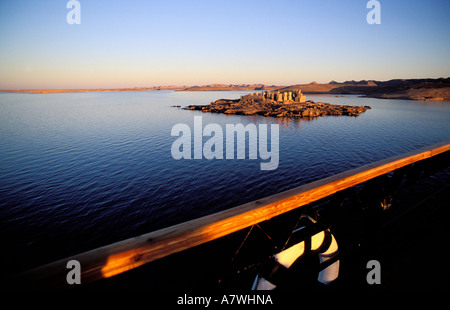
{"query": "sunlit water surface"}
(81, 170)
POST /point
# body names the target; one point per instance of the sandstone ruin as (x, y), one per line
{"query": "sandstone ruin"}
(285, 97)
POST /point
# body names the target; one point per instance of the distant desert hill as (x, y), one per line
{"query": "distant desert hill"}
(218, 87)
(416, 89)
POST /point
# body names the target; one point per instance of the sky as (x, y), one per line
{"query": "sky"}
(149, 43)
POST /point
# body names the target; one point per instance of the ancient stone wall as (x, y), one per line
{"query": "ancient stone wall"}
(285, 97)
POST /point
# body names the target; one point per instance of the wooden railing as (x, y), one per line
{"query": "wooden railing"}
(119, 257)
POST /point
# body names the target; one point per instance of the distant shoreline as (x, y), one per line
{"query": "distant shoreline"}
(413, 89)
(55, 91)
(209, 87)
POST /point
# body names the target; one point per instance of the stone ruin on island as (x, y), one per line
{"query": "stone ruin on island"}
(275, 96)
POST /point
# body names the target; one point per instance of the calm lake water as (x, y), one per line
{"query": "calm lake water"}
(81, 170)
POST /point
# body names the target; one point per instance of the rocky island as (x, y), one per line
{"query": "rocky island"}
(278, 104)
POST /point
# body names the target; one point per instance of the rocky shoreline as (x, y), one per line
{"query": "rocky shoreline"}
(278, 104)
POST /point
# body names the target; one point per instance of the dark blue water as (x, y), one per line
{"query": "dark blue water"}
(81, 170)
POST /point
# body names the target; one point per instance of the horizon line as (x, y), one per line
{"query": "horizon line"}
(186, 86)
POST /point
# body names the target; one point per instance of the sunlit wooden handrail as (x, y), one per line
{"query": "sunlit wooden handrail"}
(116, 258)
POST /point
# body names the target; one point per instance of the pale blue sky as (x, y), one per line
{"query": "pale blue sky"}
(148, 43)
